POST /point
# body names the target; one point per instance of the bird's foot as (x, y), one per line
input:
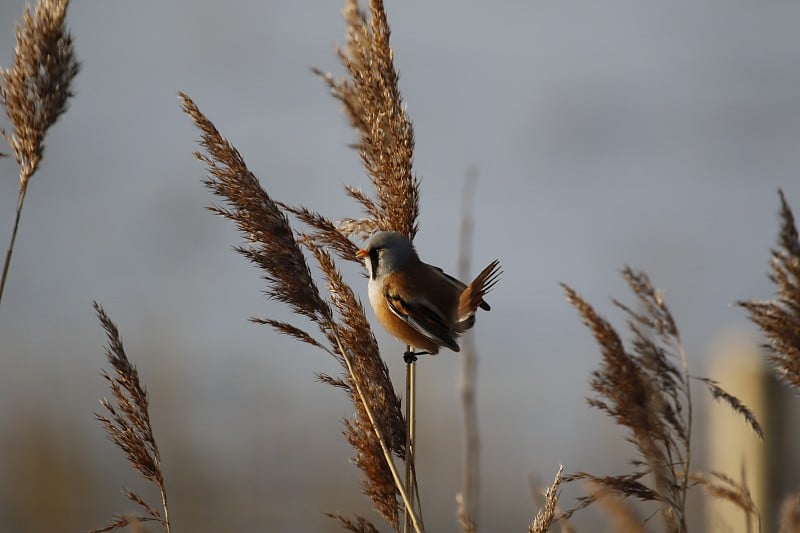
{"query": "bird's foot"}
(411, 357)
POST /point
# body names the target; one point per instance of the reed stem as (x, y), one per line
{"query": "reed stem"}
(20, 202)
(386, 453)
(411, 371)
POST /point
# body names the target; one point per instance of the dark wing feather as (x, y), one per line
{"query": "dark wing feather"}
(424, 319)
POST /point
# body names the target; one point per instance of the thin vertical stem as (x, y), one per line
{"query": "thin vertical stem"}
(411, 423)
(23, 187)
(167, 525)
(468, 503)
(386, 453)
(688, 447)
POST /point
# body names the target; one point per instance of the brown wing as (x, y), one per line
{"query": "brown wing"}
(424, 318)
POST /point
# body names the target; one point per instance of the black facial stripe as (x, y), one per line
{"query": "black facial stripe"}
(373, 261)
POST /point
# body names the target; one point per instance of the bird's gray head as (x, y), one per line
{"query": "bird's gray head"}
(386, 251)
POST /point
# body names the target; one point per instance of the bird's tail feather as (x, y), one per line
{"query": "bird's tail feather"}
(472, 297)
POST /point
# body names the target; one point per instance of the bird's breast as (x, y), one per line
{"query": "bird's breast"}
(374, 289)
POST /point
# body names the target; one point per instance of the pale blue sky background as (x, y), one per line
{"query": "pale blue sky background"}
(654, 134)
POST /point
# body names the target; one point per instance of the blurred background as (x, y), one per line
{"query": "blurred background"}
(648, 134)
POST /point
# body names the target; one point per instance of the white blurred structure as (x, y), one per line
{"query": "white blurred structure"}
(733, 448)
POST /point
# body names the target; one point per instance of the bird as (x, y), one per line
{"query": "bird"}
(417, 303)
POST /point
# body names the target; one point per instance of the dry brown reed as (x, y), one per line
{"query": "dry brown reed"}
(373, 103)
(374, 106)
(127, 423)
(779, 319)
(645, 388)
(547, 513)
(376, 432)
(34, 92)
(540, 494)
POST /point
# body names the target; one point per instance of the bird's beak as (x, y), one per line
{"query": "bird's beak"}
(362, 254)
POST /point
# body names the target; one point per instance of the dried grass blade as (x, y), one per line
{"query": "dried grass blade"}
(545, 516)
(272, 246)
(721, 395)
(327, 233)
(360, 525)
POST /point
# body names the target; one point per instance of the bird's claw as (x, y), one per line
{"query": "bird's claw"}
(411, 357)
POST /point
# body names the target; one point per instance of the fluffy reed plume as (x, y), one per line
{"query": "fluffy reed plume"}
(779, 319)
(34, 92)
(645, 388)
(547, 513)
(127, 423)
(376, 431)
(374, 106)
(373, 103)
(386, 141)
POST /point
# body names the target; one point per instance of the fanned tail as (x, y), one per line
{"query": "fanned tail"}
(472, 297)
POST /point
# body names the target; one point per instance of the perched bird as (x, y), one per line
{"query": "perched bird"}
(418, 303)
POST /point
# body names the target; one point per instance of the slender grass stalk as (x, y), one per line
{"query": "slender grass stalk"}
(678, 345)
(411, 422)
(20, 202)
(468, 499)
(404, 491)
